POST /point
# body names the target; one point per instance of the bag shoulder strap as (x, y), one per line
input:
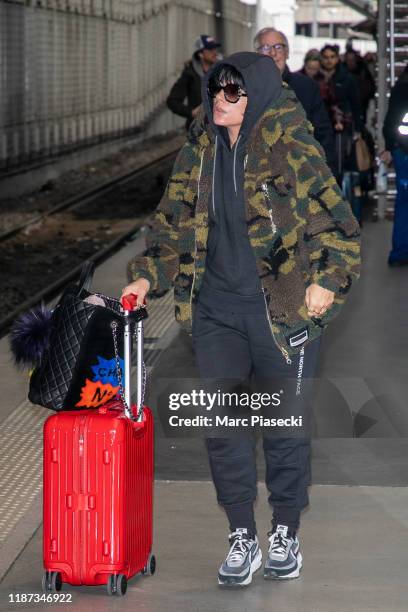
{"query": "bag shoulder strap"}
(85, 279)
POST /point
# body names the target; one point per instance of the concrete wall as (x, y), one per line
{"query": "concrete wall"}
(77, 72)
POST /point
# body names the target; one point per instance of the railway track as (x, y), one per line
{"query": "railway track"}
(90, 226)
(81, 200)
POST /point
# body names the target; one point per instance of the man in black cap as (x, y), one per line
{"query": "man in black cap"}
(185, 95)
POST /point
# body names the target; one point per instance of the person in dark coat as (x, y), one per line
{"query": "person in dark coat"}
(269, 41)
(340, 92)
(311, 65)
(395, 132)
(185, 96)
(366, 86)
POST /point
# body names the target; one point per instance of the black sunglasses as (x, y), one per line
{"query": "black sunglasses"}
(232, 92)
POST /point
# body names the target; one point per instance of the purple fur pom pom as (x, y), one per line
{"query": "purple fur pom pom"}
(29, 336)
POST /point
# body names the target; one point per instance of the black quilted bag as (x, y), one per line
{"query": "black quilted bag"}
(79, 369)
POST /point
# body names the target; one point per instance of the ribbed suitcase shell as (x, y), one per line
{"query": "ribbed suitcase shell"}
(98, 493)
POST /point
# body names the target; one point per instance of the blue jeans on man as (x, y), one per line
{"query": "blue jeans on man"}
(399, 252)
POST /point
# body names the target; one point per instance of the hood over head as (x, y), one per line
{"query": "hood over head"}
(263, 85)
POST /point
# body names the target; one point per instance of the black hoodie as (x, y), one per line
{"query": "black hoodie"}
(231, 278)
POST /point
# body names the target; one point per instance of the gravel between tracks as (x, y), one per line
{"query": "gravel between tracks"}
(14, 211)
(45, 252)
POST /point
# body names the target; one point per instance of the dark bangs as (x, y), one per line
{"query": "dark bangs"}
(224, 74)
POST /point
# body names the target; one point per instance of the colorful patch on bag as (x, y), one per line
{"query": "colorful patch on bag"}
(94, 394)
(104, 385)
(105, 370)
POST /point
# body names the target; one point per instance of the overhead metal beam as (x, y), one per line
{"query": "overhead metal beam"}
(362, 6)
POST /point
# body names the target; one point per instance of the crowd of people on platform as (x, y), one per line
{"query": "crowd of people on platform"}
(336, 102)
(335, 91)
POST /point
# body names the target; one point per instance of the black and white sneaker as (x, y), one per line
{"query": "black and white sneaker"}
(284, 557)
(243, 559)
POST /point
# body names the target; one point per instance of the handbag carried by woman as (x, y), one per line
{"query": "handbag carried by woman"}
(72, 348)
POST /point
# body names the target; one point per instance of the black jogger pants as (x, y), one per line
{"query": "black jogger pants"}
(230, 345)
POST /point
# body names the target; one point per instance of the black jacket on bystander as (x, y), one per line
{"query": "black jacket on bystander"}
(396, 115)
(186, 91)
(308, 94)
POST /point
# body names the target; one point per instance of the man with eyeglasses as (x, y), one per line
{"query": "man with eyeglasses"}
(262, 251)
(270, 41)
(184, 98)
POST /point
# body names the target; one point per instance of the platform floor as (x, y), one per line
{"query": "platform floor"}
(354, 535)
(354, 542)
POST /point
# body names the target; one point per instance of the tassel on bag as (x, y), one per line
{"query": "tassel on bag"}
(30, 336)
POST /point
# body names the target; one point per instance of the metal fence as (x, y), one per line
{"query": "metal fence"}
(77, 72)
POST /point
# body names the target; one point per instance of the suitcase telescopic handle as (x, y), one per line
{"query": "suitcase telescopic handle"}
(128, 303)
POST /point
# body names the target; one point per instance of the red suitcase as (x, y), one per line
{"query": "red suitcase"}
(98, 490)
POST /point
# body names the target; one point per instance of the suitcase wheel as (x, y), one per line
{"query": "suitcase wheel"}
(150, 566)
(51, 582)
(116, 584)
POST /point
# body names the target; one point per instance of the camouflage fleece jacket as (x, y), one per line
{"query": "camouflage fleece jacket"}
(300, 228)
